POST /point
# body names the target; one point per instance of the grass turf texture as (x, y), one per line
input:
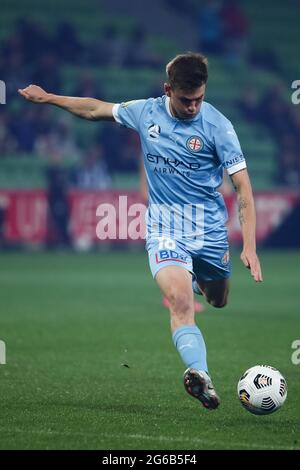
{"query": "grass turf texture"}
(70, 322)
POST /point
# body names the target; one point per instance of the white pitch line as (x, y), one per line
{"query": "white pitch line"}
(187, 440)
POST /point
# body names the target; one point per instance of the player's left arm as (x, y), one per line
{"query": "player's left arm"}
(143, 182)
(247, 219)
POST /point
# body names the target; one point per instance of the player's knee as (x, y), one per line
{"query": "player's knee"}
(181, 304)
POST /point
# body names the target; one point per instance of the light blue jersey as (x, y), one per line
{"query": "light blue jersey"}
(184, 163)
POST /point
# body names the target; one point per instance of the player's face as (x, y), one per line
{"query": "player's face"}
(185, 104)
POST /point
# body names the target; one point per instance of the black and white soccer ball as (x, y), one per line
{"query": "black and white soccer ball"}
(262, 390)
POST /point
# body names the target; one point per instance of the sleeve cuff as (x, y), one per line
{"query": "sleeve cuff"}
(115, 112)
(235, 168)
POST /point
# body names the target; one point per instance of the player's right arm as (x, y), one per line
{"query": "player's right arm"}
(86, 108)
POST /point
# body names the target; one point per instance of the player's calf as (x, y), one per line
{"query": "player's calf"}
(181, 309)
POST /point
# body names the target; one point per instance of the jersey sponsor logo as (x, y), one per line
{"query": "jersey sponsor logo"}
(172, 162)
(170, 255)
(154, 131)
(234, 161)
(194, 144)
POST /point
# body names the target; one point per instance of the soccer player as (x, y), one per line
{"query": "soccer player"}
(198, 307)
(186, 144)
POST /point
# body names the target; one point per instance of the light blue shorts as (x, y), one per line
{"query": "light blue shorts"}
(210, 263)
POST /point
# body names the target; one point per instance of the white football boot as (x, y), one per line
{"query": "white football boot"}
(199, 385)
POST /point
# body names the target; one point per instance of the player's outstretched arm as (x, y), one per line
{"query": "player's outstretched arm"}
(247, 218)
(86, 108)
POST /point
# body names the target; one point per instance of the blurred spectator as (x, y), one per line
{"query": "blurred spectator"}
(24, 129)
(138, 53)
(289, 160)
(182, 8)
(58, 204)
(93, 174)
(87, 86)
(4, 202)
(235, 30)
(249, 103)
(108, 49)
(67, 43)
(109, 138)
(13, 67)
(210, 27)
(12, 46)
(274, 111)
(59, 140)
(8, 143)
(121, 148)
(35, 40)
(46, 73)
(289, 168)
(157, 88)
(33, 54)
(235, 22)
(283, 121)
(44, 119)
(130, 151)
(223, 29)
(294, 115)
(265, 59)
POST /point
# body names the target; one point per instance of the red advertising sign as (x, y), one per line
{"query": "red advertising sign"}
(98, 216)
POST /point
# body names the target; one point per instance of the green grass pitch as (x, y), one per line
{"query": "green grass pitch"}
(70, 323)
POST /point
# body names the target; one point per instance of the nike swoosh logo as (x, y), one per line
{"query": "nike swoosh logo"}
(185, 346)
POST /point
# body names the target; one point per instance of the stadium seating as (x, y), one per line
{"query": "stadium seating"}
(273, 25)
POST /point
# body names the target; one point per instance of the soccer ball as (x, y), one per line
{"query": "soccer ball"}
(262, 390)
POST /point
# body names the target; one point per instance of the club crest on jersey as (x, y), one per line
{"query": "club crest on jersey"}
(225, 258)
(154, 131)
(194, 144)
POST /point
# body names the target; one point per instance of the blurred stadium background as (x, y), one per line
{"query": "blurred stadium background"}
(108, 50)
(59, 307)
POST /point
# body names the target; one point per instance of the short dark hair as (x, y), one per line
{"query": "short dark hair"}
(187, 71)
